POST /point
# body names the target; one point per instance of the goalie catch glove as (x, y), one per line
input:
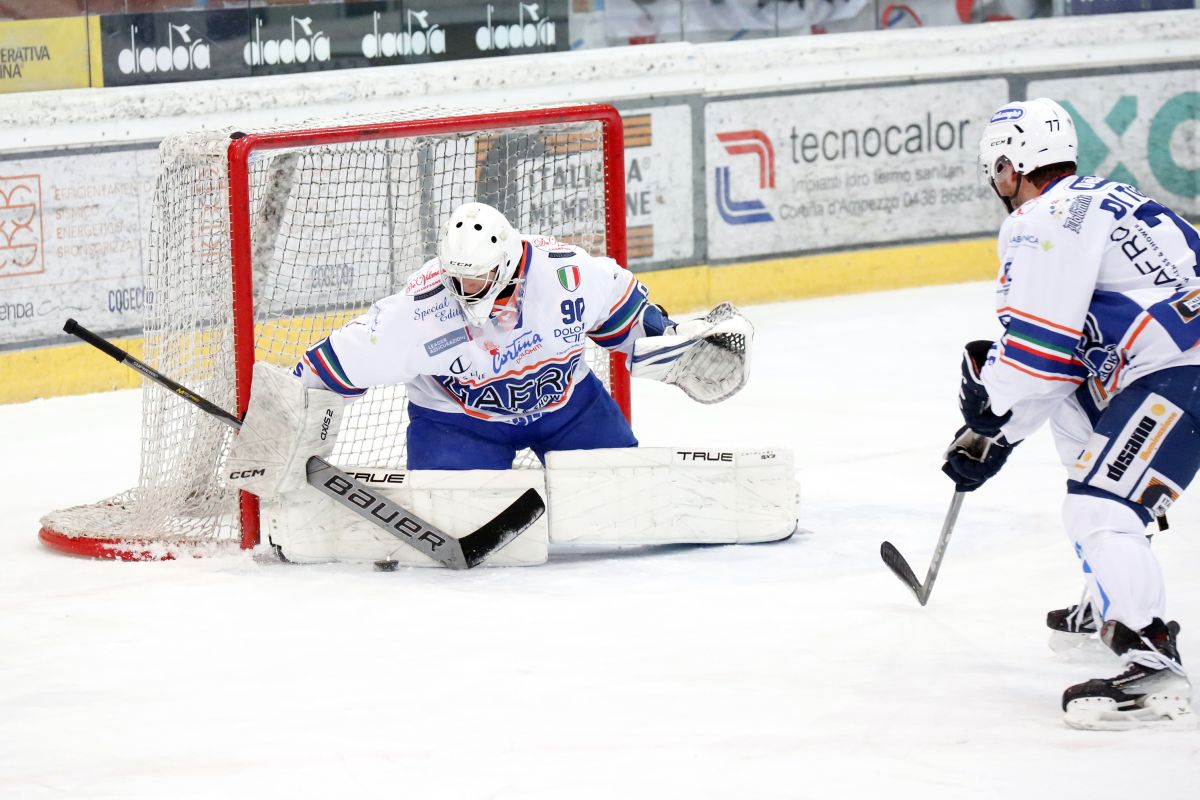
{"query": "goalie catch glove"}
(708, 358)
(285, 424)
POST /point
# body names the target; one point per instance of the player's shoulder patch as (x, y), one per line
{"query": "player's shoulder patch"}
(569, 277)
(425, 282)
(552, 247)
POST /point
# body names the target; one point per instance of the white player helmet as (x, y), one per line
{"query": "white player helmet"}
(478, 243)
(1029, 134)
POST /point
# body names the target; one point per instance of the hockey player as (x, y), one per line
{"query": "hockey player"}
(1100, 304)
(489, 338)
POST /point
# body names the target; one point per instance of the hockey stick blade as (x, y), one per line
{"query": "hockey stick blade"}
(351, 493)
(900, 568)
(464, 553)
(897, 563)
(503, 528)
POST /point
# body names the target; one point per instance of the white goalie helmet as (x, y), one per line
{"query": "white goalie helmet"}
(1030, 134)
(477, 243)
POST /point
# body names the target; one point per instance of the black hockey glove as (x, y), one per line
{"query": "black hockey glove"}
(973, 398)
(972, 459)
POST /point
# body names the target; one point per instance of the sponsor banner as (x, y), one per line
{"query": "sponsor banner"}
(71, 232)
(1078, 7)
(42, 54)
(1138, 128)
(172, 46)
(658, 184)
(852, 168)
(281, 39)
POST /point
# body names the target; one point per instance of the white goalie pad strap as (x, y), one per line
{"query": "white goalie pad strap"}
(708, 358)
(309, 528)
(285, 424)
(663, 495)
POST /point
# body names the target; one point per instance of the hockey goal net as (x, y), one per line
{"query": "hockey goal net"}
(263, 242)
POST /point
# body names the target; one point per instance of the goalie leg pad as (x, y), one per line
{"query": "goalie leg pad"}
(309, 528)
(663, 495)
(285, 424)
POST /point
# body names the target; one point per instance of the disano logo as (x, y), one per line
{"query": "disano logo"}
(758, 167)
(531, 30)
(408, 40)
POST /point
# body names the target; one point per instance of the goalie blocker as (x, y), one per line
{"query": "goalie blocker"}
(622, 496)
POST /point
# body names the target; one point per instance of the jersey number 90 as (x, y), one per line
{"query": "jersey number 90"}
(572, 310)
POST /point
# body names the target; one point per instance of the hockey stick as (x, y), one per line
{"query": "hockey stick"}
(897, 564)
(461, 553)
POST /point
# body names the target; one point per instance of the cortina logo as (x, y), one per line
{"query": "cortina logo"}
(310, 47)
(755, 143)
(172, 58)
(514, 37)
(409, 42)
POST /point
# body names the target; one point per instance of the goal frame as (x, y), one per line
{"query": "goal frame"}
(243, 146)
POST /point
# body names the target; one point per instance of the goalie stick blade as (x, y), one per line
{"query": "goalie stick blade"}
(372, 506)
(899, 566)
(503, 528)
(464, 553)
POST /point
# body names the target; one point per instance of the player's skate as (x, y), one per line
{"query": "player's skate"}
(1074, 632)
(1152, 692)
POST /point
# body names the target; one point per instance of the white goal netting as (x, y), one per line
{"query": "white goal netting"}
(262, 243)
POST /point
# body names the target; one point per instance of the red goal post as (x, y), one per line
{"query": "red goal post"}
(262, 242)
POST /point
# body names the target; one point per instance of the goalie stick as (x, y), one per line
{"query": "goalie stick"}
(461, 553)
(897, 563)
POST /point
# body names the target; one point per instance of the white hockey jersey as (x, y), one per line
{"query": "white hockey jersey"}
(525, 361)
(1097, 284)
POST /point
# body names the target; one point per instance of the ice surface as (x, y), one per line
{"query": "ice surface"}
(794, 670)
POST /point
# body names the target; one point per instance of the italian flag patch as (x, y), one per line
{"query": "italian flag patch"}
(568, 276)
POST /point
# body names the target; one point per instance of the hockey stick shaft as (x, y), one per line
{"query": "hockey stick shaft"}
(899, 565)
(75, 329)
(943, 540)
(461, 553)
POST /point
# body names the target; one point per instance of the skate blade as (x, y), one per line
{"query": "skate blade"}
(1080, 647)
(1165, 711)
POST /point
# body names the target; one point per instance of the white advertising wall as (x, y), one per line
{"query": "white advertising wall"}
(72, 227)
(804, 172)
(659, 185)
(1138, 127)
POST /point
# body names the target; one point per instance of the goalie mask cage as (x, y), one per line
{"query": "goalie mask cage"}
(261, 243)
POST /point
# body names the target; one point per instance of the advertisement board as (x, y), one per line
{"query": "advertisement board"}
(281, 39)
(71, 233)
(1139, 128)
(41, 54)
(658, 185)
(794, 173)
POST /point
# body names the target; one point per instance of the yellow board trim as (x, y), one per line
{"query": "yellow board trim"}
(95, 50)
(81, 369)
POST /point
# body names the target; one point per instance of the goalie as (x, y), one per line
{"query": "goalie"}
(488, 339)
